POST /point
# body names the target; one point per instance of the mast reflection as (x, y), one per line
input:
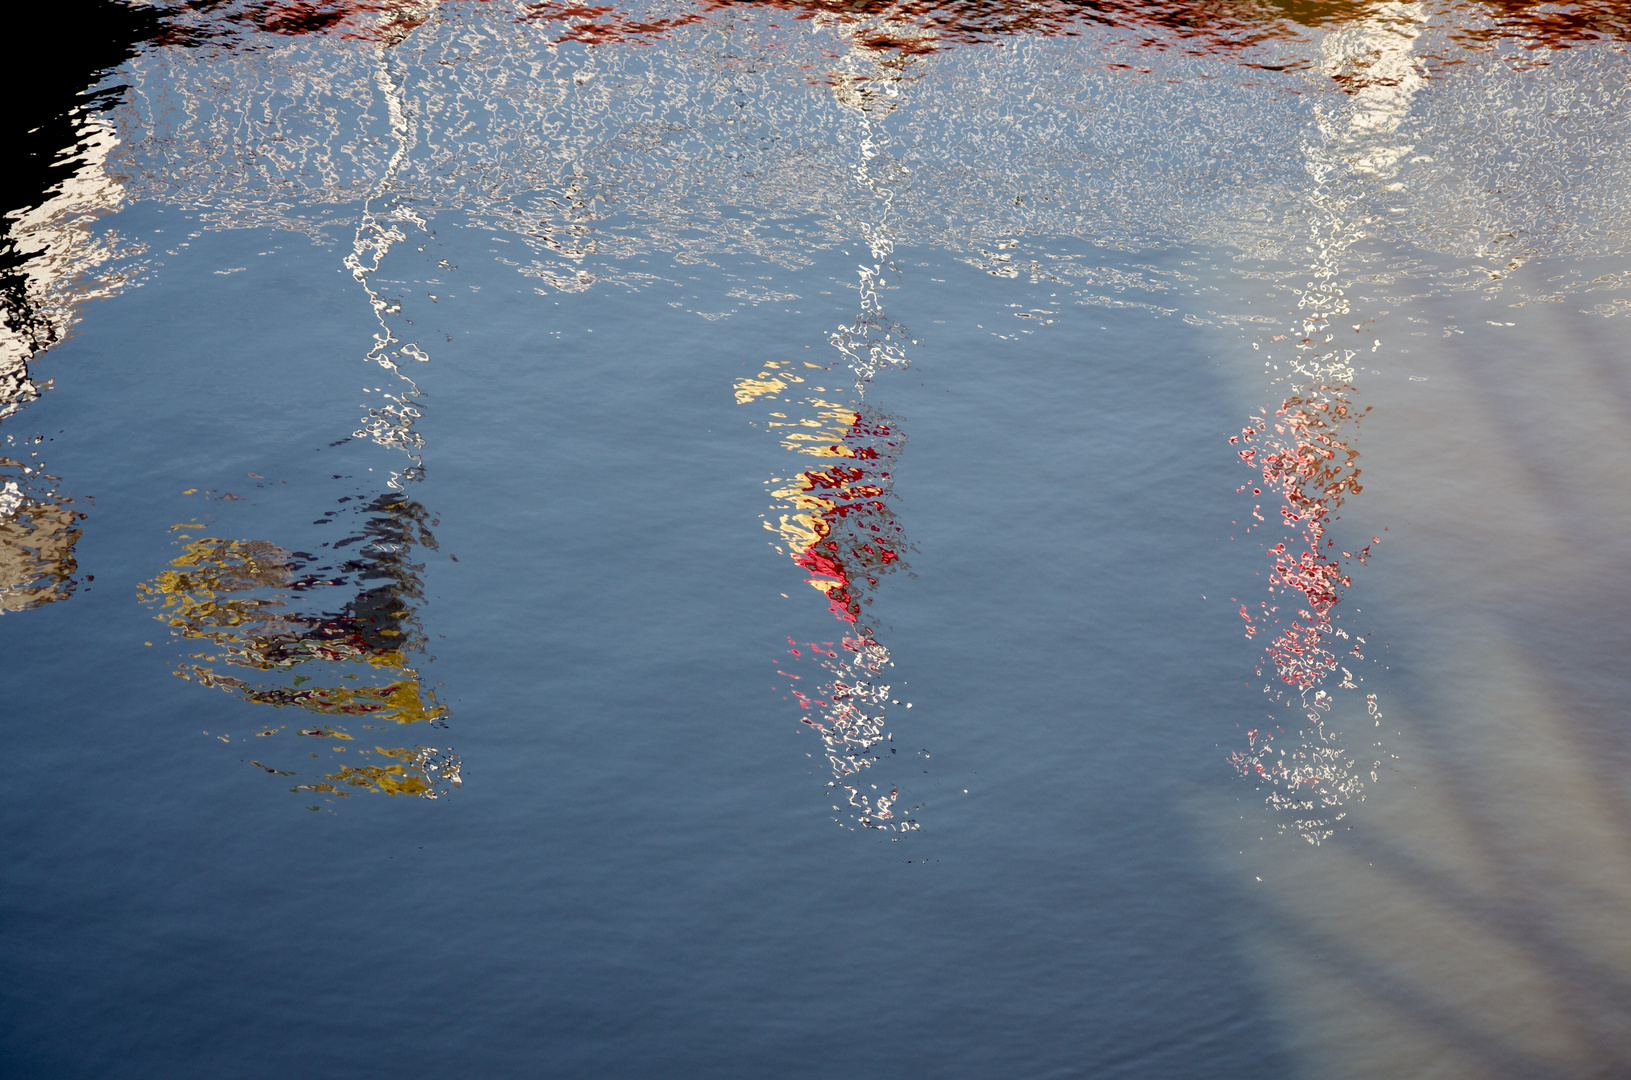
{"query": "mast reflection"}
(235, 596)
(1302, 447)
(841, 529)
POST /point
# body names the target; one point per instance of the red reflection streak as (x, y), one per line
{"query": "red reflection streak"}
(1302, 452)
(1539, 25)
(1237, 31)
(848, 540)
(604, 24)
(1305, 459)
(232, 21)
(1193, 27)
(1199, 29)
(855, 532)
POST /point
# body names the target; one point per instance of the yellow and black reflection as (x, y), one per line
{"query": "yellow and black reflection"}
(335, 639)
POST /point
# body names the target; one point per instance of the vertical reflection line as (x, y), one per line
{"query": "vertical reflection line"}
(1302, 445)
(841, 529)
(377, 232)
(231, 598)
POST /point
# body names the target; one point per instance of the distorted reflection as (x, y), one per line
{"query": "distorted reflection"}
(38, 529)
(385, 217)
(588, 180)
(53, 259)
(52, 255)
(259, 610)
(57, 253)
(840, 528)
(1306, 461)
(238, 23)
(1103, 123)
(1347, 158)
(914, 129)
(1303, 444)
(371, 640)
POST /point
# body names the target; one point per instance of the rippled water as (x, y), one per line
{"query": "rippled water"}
(695, 539)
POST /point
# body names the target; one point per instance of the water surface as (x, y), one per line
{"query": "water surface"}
(748, 540)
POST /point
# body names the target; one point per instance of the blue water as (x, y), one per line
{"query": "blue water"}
(607, 840)
(640, 875)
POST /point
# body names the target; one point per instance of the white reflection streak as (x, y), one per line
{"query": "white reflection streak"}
(59, 252)
(1377, 57)
(377, 232)
(868, 87)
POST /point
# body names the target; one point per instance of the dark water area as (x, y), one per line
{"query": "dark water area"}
(750, 540)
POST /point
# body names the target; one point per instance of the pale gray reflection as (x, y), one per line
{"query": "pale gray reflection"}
(1303, 444)
(63, 255)
(703, 141)
(1472, 923)
(65, 258)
